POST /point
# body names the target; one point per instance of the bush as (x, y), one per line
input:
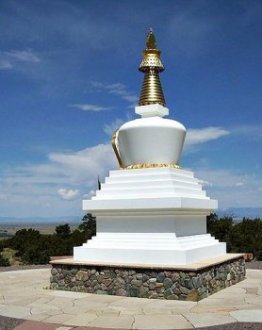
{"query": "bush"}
(4, 262)
(242, 237)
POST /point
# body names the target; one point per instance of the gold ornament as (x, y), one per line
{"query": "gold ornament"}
(140, 166)
(151, 65)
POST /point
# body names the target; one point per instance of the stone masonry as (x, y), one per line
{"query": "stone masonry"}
(148, 283)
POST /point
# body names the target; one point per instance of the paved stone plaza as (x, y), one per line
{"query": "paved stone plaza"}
(24, 295)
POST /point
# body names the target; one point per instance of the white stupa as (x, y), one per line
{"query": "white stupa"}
(150, 211)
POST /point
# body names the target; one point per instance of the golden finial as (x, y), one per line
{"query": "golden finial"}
(151, 40)
(151, 65)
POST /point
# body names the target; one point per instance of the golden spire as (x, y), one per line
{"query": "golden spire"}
(151, 65)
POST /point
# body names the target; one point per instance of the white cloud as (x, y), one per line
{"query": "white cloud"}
(5, 65)
(29, 188)
(90, 107)
(253, 132)
(110, 128)
(222, 178)
(202, 135)
(23, 55)
(68, 194)
(10, 59)
(232, 188)
(85, 164)
(116, 89)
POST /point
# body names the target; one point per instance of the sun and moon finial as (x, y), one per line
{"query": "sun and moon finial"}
(151, 40)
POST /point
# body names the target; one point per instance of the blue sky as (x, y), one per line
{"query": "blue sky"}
(68, 77)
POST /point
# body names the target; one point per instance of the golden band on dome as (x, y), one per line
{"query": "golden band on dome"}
(140, 166)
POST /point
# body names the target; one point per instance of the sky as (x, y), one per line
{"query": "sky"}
(69, 77)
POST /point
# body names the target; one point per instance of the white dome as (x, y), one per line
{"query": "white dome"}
(150, 140)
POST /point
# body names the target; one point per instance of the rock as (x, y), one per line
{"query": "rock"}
(136, 283)
(175, 277)
(54, 286)
(139, 276)
(152, 280)
(82, 276)
(168, 273)
(167, 283)
(107, 281)
(229, 277)
(168, 293)
(54, 271)
(94, 283)
(208, 277)
(153, 295)
(183, 296)
(145, 277)
(196, 282)
(160, 277)
(152, 286)
(134, 291)
(61, 283)
(176, 290)
(52, 279)
(131, 272)
(184, 290)
(74, 271)
(188, 283)
(159, 285)
(120, 281)
(143, 291)
(121, 292)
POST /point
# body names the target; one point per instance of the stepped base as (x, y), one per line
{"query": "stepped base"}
(193, 281)
(164, 249)
(150, 216)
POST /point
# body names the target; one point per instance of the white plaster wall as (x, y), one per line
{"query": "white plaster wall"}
(182, 225)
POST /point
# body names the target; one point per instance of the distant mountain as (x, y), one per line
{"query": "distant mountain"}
(236, 213)
(40, 220)
(241, 212)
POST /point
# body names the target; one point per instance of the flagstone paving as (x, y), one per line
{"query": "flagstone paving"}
(25, 295)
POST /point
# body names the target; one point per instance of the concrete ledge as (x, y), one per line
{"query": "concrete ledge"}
(206, 263)
(192, 282)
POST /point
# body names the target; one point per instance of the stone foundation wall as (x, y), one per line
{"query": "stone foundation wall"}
(146, 282)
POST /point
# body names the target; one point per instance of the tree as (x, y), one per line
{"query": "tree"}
(221, 228)
(63, 231)
(88, 225)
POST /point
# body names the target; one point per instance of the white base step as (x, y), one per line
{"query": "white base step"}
(175, 251)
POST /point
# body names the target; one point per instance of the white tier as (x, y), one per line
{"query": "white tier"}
(150, 216)
(149, 249)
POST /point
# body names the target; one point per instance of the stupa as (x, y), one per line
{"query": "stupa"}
(150, 214)
(150, 211)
